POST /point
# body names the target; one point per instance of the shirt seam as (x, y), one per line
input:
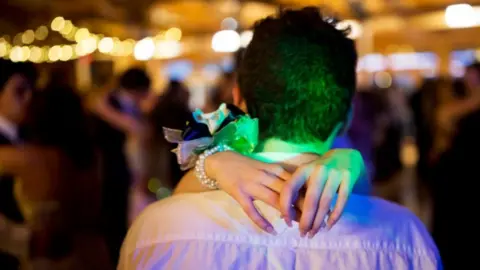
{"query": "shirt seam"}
(389, 246)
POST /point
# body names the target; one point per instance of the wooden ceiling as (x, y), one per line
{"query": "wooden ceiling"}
(134, 18)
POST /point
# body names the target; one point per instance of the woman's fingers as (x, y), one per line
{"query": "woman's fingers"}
(315, 186)
(252, 212)
(329, 191)
(276, 170)
(342, 198)
(289, 193)
(272, 182)
(265, 195)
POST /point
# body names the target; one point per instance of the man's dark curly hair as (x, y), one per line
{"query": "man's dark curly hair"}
(298, 76)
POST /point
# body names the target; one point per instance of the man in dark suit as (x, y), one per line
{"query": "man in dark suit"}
(134, 85)
(16, 84)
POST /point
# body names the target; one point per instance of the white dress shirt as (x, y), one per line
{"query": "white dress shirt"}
(211, 231)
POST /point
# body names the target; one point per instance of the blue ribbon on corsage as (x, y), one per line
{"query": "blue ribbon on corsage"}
(226, 126)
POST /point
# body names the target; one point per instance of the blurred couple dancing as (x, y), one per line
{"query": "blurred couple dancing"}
(72, 172)
(50, 190)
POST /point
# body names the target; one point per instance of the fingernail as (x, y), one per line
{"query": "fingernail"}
(302, 234)
(270, 230)
(311, 234)
(288, 221)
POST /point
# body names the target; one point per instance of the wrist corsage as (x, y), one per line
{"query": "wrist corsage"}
(228, 128)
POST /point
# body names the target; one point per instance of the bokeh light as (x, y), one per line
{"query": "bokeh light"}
(245, 38)
(67, 28)
(356, 29)
(28, 37)
(460, 16)
(105, 45)
(383, 79)
(67, 53)
(86, 46)
(82, 34)
(226, 41)
(128, 46)
(35, 54)
(16, 54)
(144, 49)
(4, 48)
(174, 34)
(229, 24)
(57, 24)
(167, 49)
(55, 53)
(41, 33)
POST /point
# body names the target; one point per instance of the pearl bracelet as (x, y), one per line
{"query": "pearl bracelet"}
(200, 166)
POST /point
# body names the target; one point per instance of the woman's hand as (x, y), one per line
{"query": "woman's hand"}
(338, 170)
(257, 181)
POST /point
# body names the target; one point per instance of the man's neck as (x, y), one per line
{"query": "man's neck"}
(278, 151)
(276, 145)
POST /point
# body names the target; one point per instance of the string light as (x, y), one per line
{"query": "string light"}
(55, 53)
(67, 53)
(4, 48)
(35, 54)
(28, 37)
(144, 49)
(174, 34)
(82, 34)
(41, 33)
(105, 45)
(57, 24)
(165, 45)
(67, 28)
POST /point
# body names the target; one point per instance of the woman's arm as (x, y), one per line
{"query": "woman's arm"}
(100, 107)
(37, 167)
(336, 159)
(189, 184)
(13, 160)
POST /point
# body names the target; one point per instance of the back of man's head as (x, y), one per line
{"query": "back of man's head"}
(297, 76)
(135, 80)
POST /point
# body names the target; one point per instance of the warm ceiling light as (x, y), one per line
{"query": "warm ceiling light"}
(229, 24)
(226, 41)
(356, 29)
(460, 16)
(246, 38)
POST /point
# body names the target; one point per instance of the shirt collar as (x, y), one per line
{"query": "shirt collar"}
(8, 129)
(272, 157)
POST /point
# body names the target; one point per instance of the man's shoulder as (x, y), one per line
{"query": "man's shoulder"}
(184, 212)
(218, 212)
(383, 218)
(368, 224)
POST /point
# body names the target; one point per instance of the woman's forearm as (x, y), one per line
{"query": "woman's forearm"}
(189, 184)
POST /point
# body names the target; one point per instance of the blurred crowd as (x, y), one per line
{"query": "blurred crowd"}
(76, 170)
